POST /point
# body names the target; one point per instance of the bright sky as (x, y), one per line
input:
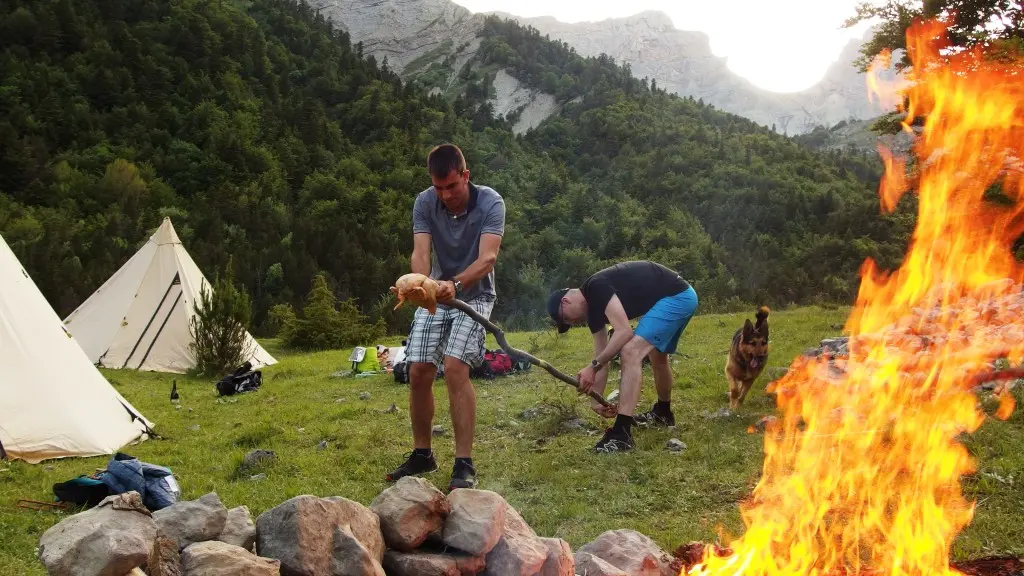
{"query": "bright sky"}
(780, 45)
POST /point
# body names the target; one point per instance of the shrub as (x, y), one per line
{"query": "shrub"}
(395, 321)
(279, 319)
(219, 328)
(326, 323)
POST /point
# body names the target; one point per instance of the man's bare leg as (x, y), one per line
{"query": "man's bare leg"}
(662, 375)
(421, 402)
(462, 405)
(620, 435)
(633, 354)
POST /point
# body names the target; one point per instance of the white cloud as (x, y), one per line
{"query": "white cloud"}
(781, 45)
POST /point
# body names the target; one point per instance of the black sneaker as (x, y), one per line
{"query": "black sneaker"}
(463, 476)
(653, 418)
(414, 465)
(615, 440)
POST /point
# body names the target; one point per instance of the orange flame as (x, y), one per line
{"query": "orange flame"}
(881, 92)
(862, 471)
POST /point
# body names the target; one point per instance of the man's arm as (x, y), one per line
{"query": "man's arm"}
(490, 242)
(420, 261)
(484, 263)
(623, 331)
(601, 378)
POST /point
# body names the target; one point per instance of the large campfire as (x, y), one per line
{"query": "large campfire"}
(862, 469)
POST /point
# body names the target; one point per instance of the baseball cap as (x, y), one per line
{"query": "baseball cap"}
(554, 303)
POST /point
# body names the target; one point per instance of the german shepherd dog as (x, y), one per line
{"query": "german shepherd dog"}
(747, 357)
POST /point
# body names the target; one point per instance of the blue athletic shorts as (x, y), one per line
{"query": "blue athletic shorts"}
(665, 321)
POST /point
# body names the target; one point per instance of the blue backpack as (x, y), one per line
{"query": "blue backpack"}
(156, 484)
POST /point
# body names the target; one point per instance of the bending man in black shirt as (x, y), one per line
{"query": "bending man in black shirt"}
(614, 296)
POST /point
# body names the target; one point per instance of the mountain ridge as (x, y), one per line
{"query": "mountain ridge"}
(682, 62)
(433, 40)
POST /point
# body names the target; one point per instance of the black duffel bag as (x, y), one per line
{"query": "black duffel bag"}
(245, 379)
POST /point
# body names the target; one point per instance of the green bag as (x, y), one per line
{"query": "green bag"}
(363, 360)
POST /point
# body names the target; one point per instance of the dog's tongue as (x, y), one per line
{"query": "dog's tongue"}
(753, 362)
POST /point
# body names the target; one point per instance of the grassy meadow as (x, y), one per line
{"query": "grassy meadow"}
(538, 460)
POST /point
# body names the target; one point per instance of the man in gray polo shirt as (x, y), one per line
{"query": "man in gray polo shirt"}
(457, 231)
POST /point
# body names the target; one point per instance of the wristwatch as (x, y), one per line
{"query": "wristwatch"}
(595, 365)
(458, 287)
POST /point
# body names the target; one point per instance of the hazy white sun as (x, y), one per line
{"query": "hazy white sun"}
(779, 45)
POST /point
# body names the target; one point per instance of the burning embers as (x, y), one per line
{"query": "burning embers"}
(862, 469)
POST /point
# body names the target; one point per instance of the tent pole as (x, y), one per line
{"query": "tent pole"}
(162, 324)
(174, 281)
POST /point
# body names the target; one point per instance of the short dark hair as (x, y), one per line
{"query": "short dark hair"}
(445, 158)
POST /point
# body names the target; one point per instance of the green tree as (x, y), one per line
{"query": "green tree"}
(327, 324)
(219, 328)
(996, 24)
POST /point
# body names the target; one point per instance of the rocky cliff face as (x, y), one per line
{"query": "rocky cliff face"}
(414, 34)
(511, 96)
(682, 62)
(410, 33)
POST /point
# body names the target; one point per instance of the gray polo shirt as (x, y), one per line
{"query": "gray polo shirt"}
(455, 238)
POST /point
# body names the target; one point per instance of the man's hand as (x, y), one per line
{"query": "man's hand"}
(445, 291)
(604, 412)
(586, 378)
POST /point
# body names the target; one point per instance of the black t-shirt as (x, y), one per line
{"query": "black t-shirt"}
(638, 284)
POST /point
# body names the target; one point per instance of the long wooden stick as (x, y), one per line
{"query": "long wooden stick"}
(998, 376)
(499, 335)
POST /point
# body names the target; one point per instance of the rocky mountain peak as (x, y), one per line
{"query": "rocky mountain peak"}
(413, 34)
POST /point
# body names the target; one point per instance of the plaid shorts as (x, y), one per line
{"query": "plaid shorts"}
(449, 332)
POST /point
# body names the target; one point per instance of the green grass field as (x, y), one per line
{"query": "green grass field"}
(541, 467)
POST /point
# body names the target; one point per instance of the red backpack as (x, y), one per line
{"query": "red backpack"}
(495, 363)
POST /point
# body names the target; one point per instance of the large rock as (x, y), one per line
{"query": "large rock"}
(216, 558)
(255, 460)
(632, 552)
(351, 558)
(189, 521)
(164, 559)
(109, 539)
(519, 552)
(239, 529)
(300, 532)
(409, 512)
(836, 347)
(422, 563)
(363, 523)
(559, 561)
(514, 524)
(590, 565)
(516, 556)
(476, 520)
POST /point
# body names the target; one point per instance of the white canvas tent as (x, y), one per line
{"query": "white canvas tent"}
(139, 318)
(53, 402)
